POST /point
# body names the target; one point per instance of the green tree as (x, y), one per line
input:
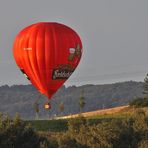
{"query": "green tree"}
(146, 86)
(36, 109)
(14, 133)
(142, 101)
(82, 101)
(61, 107)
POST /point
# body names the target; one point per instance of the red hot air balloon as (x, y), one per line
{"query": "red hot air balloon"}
(47, 53)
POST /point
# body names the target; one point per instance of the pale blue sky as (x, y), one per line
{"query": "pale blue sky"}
(114, 35)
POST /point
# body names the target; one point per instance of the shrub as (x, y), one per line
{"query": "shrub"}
(143, 144)
(66, 141)
(48, 140)
(118, 133)
(14, 133)
(74, 124)
(90, 136)
(139, 102)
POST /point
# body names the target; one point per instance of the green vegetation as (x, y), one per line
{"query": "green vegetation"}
(146, 85)
(61, 125)
(82, 101)
(117, 133)
(119, 130)
(36, 109)
(126, 129)
(61, 107)
(139, 102)
(142, 101)
(48, 125)
(14, 133)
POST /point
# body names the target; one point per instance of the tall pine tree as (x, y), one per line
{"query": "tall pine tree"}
(146, 86)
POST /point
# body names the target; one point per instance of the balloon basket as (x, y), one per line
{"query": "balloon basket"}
(47, 106)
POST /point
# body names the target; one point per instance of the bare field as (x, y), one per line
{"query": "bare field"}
(99, 112)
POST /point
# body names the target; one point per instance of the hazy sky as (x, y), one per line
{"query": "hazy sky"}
(114, 35)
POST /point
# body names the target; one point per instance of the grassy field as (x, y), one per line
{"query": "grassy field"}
(101, 113)
(60, 124)
(49, 125)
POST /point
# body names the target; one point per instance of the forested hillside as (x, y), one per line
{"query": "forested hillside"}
(21, 98)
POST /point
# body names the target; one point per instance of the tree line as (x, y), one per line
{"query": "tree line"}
(117, 133)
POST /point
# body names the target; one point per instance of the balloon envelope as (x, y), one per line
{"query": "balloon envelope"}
(47, 53)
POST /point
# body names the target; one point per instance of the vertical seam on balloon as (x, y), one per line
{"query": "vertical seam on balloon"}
(53, 51)
(30, 63)
(49, 53)
(54, 40)
(28, 57)
(69, 39)
(55, 47)
(36, 61)
(40, 75)
(22, 39)
(60, 37)
(45, 56)
(23, 58)
(44, 78)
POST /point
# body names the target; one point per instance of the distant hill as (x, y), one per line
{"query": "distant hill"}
(21, 98)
